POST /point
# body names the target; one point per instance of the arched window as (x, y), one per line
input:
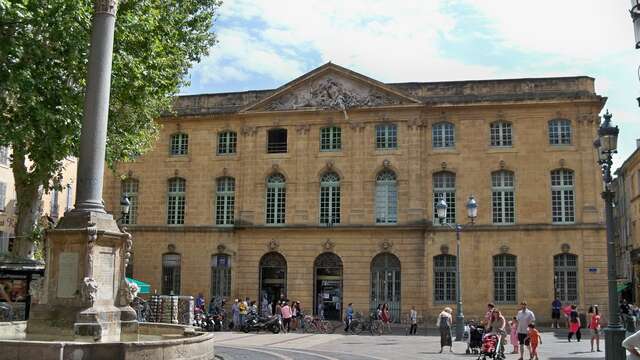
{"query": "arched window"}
(443, 135)
(505, 278)
(220, 276)
(501, 134)
(444, 186)
(565, 270)
(386, 283)
(225, 201)
(386, 136)
(562, 198)
(330, 138)
(179, 144)
(444, 278)
(276, 199)
(386, 198)
(330, 198)
(176, 201)
(273, 277)
(227, 142)
(560, 132)
(503, 197)
(328, 286)
(129, 188)
(171, 274)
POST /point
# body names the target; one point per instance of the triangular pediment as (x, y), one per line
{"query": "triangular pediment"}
(331, 87)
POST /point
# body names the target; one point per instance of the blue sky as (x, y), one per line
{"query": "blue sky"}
(266, 43)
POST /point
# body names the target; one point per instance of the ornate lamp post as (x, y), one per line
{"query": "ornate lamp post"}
(606, 145)
(472, 213)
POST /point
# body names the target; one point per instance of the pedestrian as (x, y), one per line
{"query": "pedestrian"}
(348, 317)
(235, 313)
(279, 315)
(199, 303)
(567, 313)
(487, 315)
(386, 317)
(594, 326)
(444, 325)
(524, 317)
(413, 320)
(300, 315)
(513, 324)
(556, 306)
(534, 338)
(497, 326)
(294, 316)
(320, 308)
(632, 344)
(574, 323)
(286, 315)
(242, 312)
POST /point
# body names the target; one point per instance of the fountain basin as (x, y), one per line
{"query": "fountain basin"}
(153, 341)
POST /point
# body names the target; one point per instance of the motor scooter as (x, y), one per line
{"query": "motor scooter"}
(256, 323)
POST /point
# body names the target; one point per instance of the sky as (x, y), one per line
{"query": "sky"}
(266, 43)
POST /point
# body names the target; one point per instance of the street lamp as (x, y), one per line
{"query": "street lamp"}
(125, 206)
(472, 213)
(606, 145)
(635, 16)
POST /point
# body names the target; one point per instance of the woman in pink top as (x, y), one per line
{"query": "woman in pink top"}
(594, 326)
(286, 316)
(514, 335)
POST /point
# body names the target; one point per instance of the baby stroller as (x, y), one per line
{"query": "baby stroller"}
(492, 347)
(475, 339)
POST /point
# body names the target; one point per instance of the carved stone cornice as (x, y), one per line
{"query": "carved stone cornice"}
(357, 126)
(248, 130)
(303, 129)
(416, 123)
(108, 7)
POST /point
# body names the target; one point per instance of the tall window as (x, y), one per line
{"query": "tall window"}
(504, 278)
(444, 186)
(176, 201)
(330, 139)
(276, 141)
(171, 274)
(3, 196)
(276, 199)
(443, 135)
(444, 276)
(559, 132)
(225, 201)
(565, 270)
(129, 188)
(179, 144)
(220, 276)
(4, 155)
(69, 198)
(330, 198)
(54, 205)
(501, 134)
(4, 242)
(503, 198)
(227, 143)
(386, 136)
(386, 198)
(562, 201)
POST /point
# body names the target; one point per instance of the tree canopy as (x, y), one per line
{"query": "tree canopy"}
(44, 49)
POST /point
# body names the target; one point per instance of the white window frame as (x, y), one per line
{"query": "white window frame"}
(55, 209)
(560, 132)
(331, 138)
(276, 200)
(562, 273)
(225, 200)
(220, 277)
(129, 188)
(330, 198)
(179, 144)
(501, 134)
(386, 198)
(176, 201)
(505, 279)
(444, 185)
(503, 199)
(386, 136)
(227, 143)
(3, 196)
(563, 196)
(448, 274)
(4, 155)
(443, 135)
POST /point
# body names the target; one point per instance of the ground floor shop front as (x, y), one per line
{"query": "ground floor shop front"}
(326, 269)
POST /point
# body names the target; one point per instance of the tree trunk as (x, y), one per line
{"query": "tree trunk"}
(28, 198)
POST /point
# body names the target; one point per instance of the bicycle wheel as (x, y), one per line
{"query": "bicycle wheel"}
(326, 327)
(310, 327)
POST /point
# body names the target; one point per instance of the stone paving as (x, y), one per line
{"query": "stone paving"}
(240, 346)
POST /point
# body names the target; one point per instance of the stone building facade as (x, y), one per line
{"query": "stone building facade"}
(323, 191)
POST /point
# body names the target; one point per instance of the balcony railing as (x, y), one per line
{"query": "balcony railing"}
(276, 147)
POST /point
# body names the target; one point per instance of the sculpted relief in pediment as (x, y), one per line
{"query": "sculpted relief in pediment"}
(334, 92)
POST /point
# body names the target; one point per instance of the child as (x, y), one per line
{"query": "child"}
(513, 324)
(534, 339)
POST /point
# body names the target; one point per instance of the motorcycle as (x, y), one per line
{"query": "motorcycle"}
(271, 323)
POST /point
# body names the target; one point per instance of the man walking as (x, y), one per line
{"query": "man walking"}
(348, 317)
(524, 318)
(413, 318)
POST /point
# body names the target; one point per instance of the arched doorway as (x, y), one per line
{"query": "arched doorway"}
(385, 283)
(328, 286)
(273, 277)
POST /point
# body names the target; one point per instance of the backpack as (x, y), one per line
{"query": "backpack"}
(444, 322)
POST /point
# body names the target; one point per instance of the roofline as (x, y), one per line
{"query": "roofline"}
(495, 80)
(226, 93)
(625, 164)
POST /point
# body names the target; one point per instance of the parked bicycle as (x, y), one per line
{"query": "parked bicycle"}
(315, 325)
(370, 324)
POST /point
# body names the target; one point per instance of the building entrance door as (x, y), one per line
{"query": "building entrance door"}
(273, 277)
(385, 284)
(328, 286)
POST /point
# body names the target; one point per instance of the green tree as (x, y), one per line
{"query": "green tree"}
(43, 62)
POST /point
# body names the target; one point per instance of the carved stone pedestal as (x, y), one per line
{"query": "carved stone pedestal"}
(84, 294)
